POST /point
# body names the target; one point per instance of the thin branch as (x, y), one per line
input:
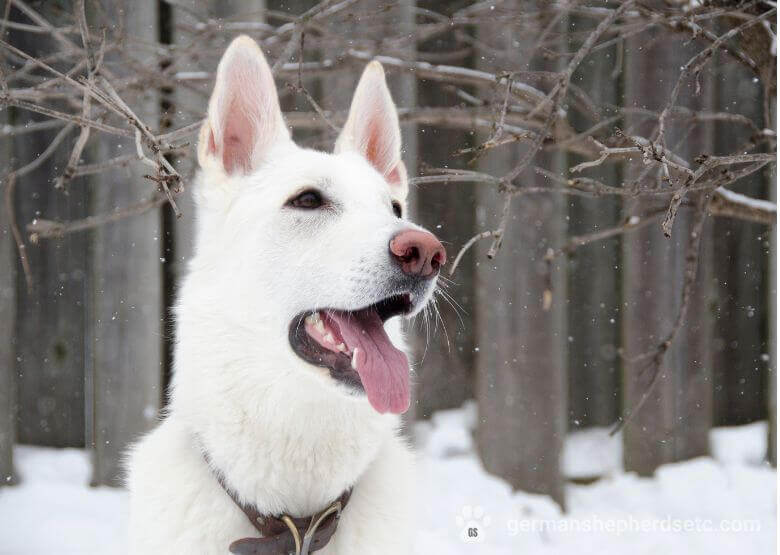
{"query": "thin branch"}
(21, 248)
(94, 63)
(657, 356)
(467, 245)
(734, 205)
(696, 64)
(632, 223)
(47, 229)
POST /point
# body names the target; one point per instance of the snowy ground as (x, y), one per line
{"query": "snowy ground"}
(721, 505)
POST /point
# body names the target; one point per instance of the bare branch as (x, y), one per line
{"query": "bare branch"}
(46, 229)
(657, 356)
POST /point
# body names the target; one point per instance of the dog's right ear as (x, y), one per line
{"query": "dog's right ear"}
(372, 129)
(244, 119)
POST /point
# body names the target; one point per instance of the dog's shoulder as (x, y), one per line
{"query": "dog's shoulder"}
(154, 488)
(176, 505)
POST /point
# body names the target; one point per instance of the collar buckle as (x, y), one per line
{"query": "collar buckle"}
(303, 547)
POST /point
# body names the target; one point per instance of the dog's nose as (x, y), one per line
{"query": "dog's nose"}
(419, 253)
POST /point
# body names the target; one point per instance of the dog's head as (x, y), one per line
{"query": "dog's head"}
(308, 244)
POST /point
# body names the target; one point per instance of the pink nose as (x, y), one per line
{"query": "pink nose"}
(419, 253)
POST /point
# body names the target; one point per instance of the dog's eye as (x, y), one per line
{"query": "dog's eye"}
(307, 200)
(397, 209)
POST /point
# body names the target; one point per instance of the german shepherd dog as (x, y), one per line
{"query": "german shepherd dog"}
(290, 372)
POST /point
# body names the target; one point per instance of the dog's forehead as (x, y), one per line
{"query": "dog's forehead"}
(345, 176)
(357, 179)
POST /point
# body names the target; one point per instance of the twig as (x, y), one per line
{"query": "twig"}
(299, 88)
(498, 236)
(696, 64)
(47, 229)
(328, 6)
(10, 188)
(467, 245)
(558, 94)
(632, 223)
(94, 63)
(21, 248)
(657, 356)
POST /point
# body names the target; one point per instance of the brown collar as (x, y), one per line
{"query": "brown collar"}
(283, 534)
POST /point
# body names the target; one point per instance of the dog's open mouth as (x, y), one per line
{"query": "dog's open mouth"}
(355, 348)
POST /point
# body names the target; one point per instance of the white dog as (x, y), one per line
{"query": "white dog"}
(287, 387)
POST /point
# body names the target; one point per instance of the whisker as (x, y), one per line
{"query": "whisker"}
(446, 281)
(455, 306)
(443, 326)
(427, 334)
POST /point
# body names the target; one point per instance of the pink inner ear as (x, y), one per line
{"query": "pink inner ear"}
(380, 149)
(238, 140)
(212, 148)
(376, 137)
(373, 145)
(394, 177)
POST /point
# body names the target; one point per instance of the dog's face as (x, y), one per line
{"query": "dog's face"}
(314, 244)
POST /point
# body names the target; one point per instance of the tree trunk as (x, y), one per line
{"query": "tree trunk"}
(50, 324)
(125, 385)
(521, 357)
(593, 270)
(7, 319)
(771, 178)
(674, 421)
(741, 308)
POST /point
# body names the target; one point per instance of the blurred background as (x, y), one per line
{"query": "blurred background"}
(570, 316)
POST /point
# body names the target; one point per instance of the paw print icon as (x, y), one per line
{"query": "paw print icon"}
(472, 523)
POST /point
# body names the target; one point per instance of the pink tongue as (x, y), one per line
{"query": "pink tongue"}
(383, 369)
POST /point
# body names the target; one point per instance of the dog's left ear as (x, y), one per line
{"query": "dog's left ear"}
(372, 129)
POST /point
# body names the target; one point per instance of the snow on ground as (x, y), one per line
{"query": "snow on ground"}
(592, 452)
(707, 505)
(718, 505)
(54, 511)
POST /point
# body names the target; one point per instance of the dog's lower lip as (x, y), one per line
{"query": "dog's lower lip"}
(340, 362)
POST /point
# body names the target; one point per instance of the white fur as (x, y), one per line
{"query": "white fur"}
(287, 437)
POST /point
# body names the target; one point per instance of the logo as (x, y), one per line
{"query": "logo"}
(472, 523)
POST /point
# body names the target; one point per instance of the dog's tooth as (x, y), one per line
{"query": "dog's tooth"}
(354, 359)
(341, 347)
(329, 338)
(310, 319)
(319, 326)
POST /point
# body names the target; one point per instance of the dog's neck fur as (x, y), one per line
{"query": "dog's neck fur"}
(257, 400)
